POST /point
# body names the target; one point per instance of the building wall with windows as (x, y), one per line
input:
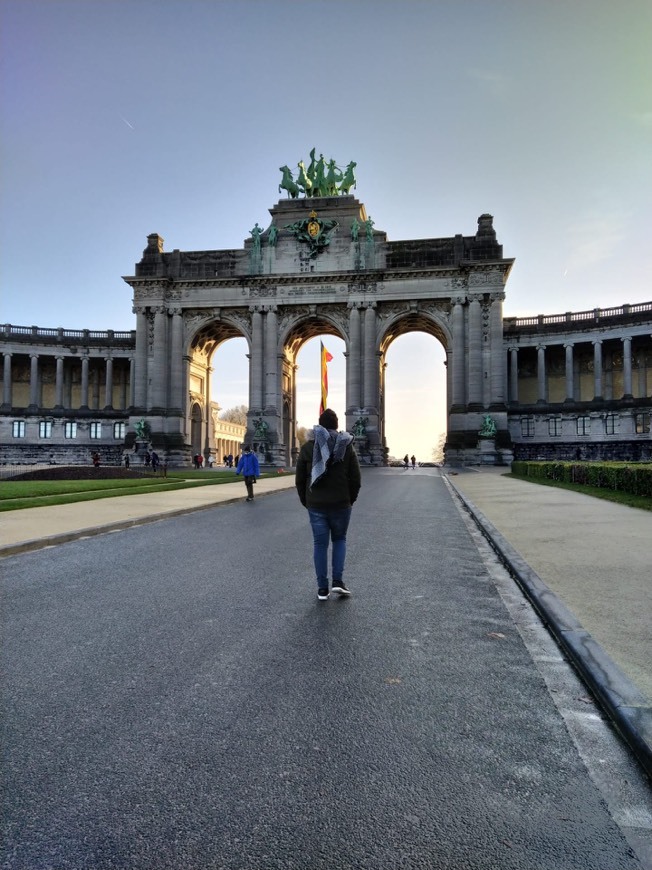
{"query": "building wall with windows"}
(66, 394)
(580, 384)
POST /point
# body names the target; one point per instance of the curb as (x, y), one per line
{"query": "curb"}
(629, 710)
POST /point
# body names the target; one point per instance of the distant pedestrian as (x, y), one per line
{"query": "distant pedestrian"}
(200, 461)
(406, 462)
(96, 460)
(230, 458)
(328, 481)
(127, 463)
(413, 460)
(250, 469)
(155, 460)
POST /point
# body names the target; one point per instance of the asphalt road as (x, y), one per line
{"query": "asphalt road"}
(176, 697)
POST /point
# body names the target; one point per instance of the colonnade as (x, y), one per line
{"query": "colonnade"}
(574, 351)
(96, 381)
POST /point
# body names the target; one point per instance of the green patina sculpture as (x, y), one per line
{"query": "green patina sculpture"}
(369, 229)
(348, 181)
(488, 428)
(260, 429)
(273, 236)
(288, 183)
(321, 178)
(314, 232)
(143, 430)
(256, 233)
(355, 229)
(360, 427)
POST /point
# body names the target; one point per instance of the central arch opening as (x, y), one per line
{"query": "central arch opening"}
(415, 397)
(309, 379)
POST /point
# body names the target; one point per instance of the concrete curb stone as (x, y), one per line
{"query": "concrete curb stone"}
(628, 709)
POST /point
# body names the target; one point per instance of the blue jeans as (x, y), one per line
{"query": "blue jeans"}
(329, 525)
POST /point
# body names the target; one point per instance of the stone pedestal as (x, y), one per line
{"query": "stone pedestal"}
(488, 453)
(140, 449)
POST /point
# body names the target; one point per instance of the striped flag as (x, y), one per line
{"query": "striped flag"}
(326, 357)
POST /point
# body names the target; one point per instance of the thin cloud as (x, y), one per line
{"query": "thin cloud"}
(593, 239)
(643, 119)
(496, 84)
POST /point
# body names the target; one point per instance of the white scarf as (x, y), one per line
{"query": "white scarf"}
(330, 446)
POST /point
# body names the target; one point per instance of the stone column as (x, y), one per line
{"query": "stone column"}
(177, 403)
(124, 402)
(597, 370)
(256, 402)
(132, 381)
(139, 383)
(541, 374)
(497, 373)
(642, 375)
(513, 375)
(6, 382)
(627, 368)
(271, 360)
(353, 374)
(475, 387)
(58, 402)
(108, 385)
(570, 387)
(207, 435)
(457, 377)
(84, 382)
(370, 359)
(95, 382)
(158, 398)
(33, 382)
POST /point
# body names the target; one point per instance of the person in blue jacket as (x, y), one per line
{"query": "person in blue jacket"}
(248, 465)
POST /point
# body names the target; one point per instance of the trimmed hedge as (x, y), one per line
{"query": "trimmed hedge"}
(634, 478)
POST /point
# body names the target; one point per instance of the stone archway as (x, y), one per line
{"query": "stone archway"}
(299, 328)
(401, 325)
(283, 287)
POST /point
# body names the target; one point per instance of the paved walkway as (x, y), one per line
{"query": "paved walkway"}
(205, 710)
(584, 562)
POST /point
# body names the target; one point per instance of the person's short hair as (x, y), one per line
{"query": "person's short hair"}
(246, 448)
(328, 419)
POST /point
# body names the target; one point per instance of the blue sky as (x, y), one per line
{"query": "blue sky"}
(120, 118)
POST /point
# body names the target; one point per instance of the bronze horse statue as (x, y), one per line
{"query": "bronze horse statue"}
(348, 181)
(288, 183)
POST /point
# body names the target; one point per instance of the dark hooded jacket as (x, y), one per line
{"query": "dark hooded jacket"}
(337, 488)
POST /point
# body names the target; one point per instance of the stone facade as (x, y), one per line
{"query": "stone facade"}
(569, 385)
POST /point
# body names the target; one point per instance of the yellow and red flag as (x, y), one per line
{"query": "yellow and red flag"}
(326, 357)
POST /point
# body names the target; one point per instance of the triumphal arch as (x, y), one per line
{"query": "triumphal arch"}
(321, 266)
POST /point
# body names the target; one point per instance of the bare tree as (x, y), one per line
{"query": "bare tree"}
(438, 451)
(235, 415)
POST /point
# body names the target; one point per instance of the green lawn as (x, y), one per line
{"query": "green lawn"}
(635, 501)
(18, 494)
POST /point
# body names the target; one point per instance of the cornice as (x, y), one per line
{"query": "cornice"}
(316, 279)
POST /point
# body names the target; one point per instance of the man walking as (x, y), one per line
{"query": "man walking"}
(328, 482)
(248, 465)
